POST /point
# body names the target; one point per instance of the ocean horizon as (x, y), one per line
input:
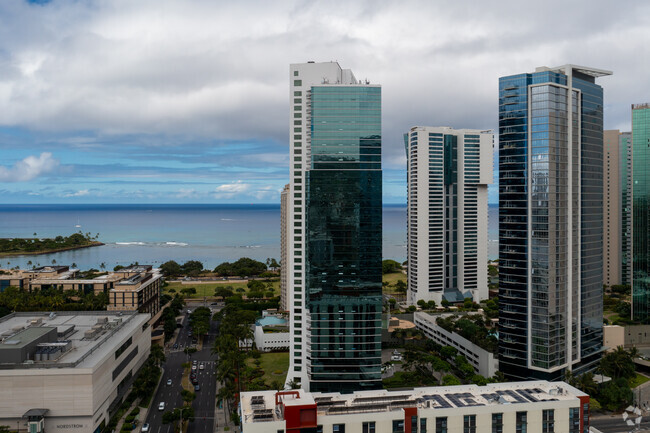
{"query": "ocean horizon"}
(155, 233)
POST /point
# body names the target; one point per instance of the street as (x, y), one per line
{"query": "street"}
(204, 404)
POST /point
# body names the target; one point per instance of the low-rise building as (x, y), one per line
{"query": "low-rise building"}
(532, 407)
(66, 372)
(484, 362)
(272, 333)
(139, 289)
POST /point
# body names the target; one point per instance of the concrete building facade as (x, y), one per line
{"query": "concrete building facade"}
(550, 222)
(532, 407)
(448, 172)
(484, 362)
(612, 208)
(334, 217)
(284, 247)
(68, 370)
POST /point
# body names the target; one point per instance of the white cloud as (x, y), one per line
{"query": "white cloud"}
(80, 193)
(186, 193)
(29, 168)
(231, 190)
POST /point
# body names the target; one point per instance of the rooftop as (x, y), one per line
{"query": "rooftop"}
(259, 406)
(107, 330)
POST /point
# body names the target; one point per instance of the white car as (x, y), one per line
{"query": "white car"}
(194, 368)
(161, 405)
(145, 428)
(169, 382)
(201, 367)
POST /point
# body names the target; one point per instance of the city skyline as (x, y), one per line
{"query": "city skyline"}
(150, 102)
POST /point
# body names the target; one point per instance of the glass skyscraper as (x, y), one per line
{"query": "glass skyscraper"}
(335, 257)
(550, 222)
(641, 212)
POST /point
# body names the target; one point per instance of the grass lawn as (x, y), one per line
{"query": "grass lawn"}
(272, 362)
(638, 380)
(207, 289)
(392, 279)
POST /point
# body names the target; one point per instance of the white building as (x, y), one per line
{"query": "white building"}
(62, 372)
(271, 333)
(448, 173)
(484, 362)
(532, 407)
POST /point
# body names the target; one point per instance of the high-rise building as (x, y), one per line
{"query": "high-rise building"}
(612, 210)
(284, 246)
(334, 203)
(641, 212)
(448, 171)
(625, 171)
(550, 222)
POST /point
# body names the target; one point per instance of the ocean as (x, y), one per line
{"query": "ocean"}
(154, 234)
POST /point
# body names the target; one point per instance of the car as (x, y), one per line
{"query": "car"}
(161, 405)
(193, 367)
(201, 367)
(197, 387)
(189, 311)
(145, 428)
(194, 381)
(194, 362)
(175, 345)
(169, 382)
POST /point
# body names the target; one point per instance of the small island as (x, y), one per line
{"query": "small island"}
(34, 246)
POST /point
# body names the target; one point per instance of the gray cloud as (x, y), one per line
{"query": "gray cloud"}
(171, 72)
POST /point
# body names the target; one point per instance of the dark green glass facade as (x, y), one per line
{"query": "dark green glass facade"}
(343, 239)
(641, 212)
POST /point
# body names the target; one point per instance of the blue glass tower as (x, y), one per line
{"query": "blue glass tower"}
(550, 222)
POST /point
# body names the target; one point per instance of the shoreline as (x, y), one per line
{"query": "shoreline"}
(56, 250)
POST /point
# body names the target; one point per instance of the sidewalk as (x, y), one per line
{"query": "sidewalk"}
(220, 420)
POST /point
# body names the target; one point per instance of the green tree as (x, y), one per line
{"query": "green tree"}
(618, 364)
(255, 286)
(390, 266)
(171, 269)
(400, 286)
(449, 380)
(192, 268)
(615, 395)
(223, 292)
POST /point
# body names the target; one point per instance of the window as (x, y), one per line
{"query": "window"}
(338, 428)
(398, 426)
(574, 420)
(295, 74)
(368, 427)
(297, 82)
(297, 93)
(548, 421)
(414, 424)
(441, 424)
(469, 424)
(497, 423)
(423, 425)
(521, 422)
(585, 416)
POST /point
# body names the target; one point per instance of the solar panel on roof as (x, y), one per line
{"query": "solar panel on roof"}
(438, 398)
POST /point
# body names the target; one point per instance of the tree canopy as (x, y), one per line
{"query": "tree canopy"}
(243, 267)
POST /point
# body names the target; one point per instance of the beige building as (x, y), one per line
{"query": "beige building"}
(533, 407)
(136, 287)
(67, 372)
(611, 208)
(284, 242)
(139, 289)
(627, 337)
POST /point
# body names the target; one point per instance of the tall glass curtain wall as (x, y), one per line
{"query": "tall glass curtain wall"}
(591, 223)
(641, 213)
(549, 224)
(343, 239)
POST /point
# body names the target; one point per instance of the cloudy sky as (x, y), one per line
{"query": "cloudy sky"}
(122, 101)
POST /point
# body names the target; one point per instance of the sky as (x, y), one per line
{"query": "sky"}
(177, 101)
